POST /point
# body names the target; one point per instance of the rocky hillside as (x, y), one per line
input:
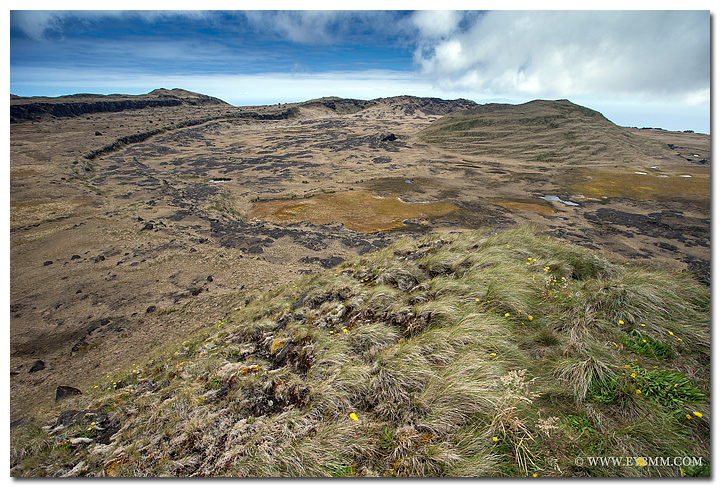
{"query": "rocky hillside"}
(486, 353)
(403, 105)
(34, 108)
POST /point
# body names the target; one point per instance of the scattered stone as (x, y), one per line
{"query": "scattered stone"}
(66, 391)
(38, 365)
(147, 226)
(77, 470)
(75, 257)
(99, 258)
(151, 308)
(98, 133)
(388, 138)
(80, 441)
(47, 262)
(80, 343)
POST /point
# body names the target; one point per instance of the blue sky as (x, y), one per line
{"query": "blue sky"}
(639, 68)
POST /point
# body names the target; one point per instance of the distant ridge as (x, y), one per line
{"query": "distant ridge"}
(409, 104)
(37, 107)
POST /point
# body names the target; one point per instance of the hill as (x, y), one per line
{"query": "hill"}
(477, 354)
(35, 108)
(541, 131)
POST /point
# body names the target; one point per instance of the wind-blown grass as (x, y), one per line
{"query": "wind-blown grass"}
(479, 354)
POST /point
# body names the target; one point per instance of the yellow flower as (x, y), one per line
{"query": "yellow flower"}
(507, 314)
(621, 322)
(353, 416)
(477, 299)
(495, 438)
(642, 324)
(675, 385)
(534, 475)
(644, 341)
(344, 330)
(671, 333)
(699, 415)
(688, 416)
(615, 344)
(493, 354)
(632, 375)
(638, 391)
(530, 318)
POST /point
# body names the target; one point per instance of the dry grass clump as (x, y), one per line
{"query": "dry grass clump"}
(481, 354)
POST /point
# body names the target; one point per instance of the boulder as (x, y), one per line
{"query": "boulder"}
(66, 391)
(38, 365)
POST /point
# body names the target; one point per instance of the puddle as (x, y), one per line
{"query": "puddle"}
(221, 180)
(552, 197)
(684, 175)
(640, 172)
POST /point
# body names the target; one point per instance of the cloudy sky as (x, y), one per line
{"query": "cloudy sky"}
(639, 68)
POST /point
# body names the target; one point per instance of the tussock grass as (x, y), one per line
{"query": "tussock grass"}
(502, 353)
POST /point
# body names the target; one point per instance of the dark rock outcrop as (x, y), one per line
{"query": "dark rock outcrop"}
(66, 391)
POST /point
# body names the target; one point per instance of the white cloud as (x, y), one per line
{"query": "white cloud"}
(655, 54)
(436, 23)
(36, 24)
(307, 27)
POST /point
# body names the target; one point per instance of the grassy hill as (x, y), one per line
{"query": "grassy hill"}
(540, 131)
(474, 354)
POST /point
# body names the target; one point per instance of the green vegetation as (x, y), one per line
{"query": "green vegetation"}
(474, 354)
(540, 131)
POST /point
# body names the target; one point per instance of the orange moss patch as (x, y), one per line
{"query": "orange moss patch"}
(649, 186)
(361, 211)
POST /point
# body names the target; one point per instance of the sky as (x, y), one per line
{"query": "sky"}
(640, 68)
